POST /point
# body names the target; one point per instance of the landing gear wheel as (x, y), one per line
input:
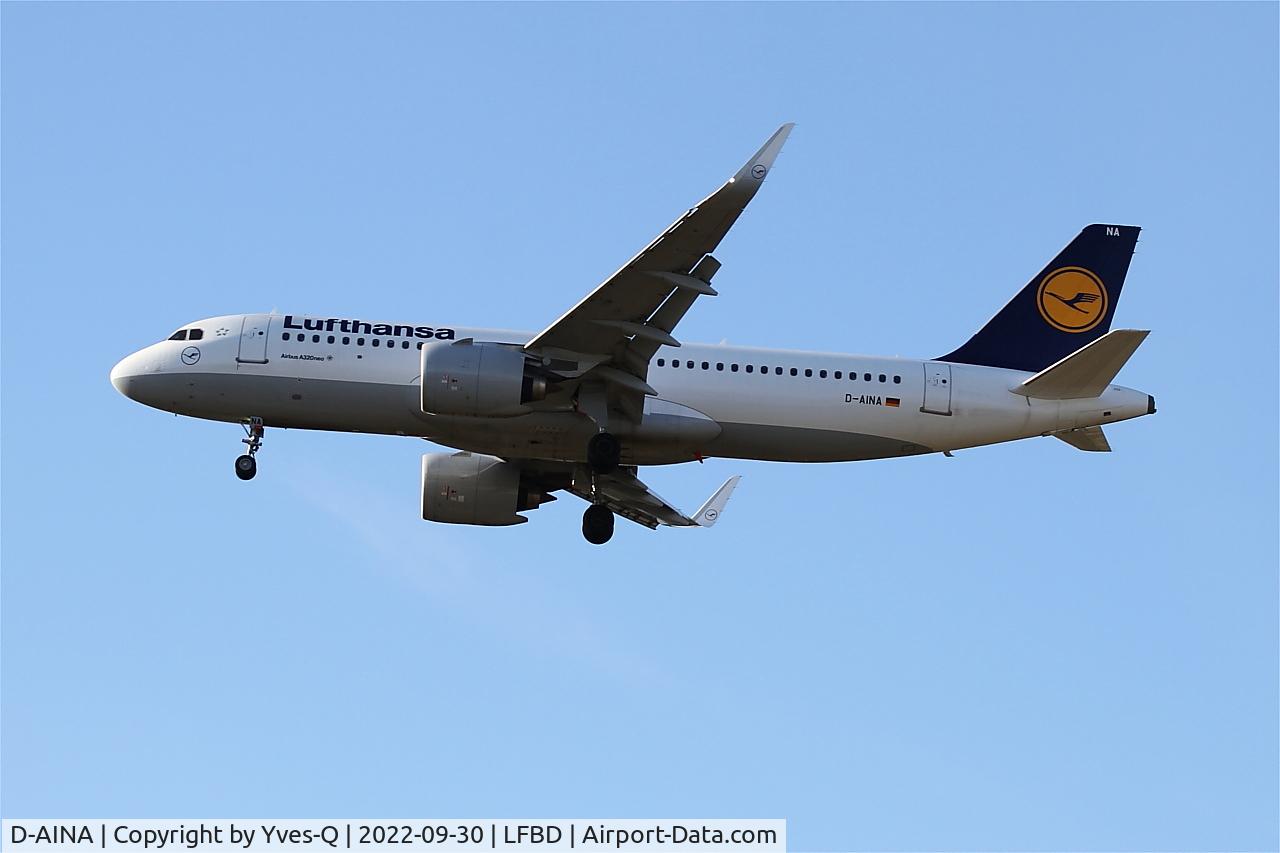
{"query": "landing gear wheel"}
(597, 524)
(604, 452)
(246, 467)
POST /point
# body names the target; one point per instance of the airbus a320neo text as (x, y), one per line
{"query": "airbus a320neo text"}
(607, 387)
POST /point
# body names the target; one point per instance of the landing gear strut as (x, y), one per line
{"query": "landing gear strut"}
(604, 452)
(246, 465)
(597, 524)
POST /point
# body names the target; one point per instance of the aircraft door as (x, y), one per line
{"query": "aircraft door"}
(253, 339)
(937, 388)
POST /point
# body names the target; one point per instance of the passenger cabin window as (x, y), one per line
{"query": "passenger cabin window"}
(822, 374)
(180, 335)
(897, 380)
(285, 336)
(883, 377)
(662, 362)
(719, 365)
(808, 371)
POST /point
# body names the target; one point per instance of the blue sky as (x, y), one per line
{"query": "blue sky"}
(1022, 647)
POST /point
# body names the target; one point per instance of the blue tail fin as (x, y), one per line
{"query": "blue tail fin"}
(1069, 304)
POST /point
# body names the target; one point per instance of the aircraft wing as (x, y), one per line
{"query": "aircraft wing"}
(623, 321)
(624, 493)
(630, 498)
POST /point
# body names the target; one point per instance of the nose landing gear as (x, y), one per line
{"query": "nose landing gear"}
(246, 465)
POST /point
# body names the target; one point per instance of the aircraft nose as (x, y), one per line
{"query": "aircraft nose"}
(125, 375)
(120, 377)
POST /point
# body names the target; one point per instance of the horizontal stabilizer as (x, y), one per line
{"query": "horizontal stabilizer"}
(1086, 372)
(1091, 439)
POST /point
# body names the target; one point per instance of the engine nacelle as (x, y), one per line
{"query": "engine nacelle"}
(469, 488)
(477, 380)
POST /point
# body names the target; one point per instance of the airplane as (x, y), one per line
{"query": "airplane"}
(606, 388)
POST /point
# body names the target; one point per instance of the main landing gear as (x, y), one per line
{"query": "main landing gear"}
(597, 524)
(604, 453)
(246, 465)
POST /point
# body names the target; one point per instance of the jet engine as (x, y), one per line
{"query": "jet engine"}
(477, 380)
(468, 488)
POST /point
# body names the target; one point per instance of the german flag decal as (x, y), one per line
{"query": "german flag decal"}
(873, 400)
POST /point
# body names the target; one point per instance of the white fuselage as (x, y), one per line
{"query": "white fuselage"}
(721, 400)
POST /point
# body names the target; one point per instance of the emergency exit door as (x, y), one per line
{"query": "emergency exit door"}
(937, 388)
(253, 339)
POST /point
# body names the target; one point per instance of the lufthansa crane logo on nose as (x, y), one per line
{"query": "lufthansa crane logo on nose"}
(190, 355)
(1072, 299)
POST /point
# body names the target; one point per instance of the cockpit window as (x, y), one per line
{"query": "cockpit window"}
(180, 335)
(196, 334)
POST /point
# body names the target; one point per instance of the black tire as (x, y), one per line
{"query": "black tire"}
(246, 467)
(604, 452)
(597, 524)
